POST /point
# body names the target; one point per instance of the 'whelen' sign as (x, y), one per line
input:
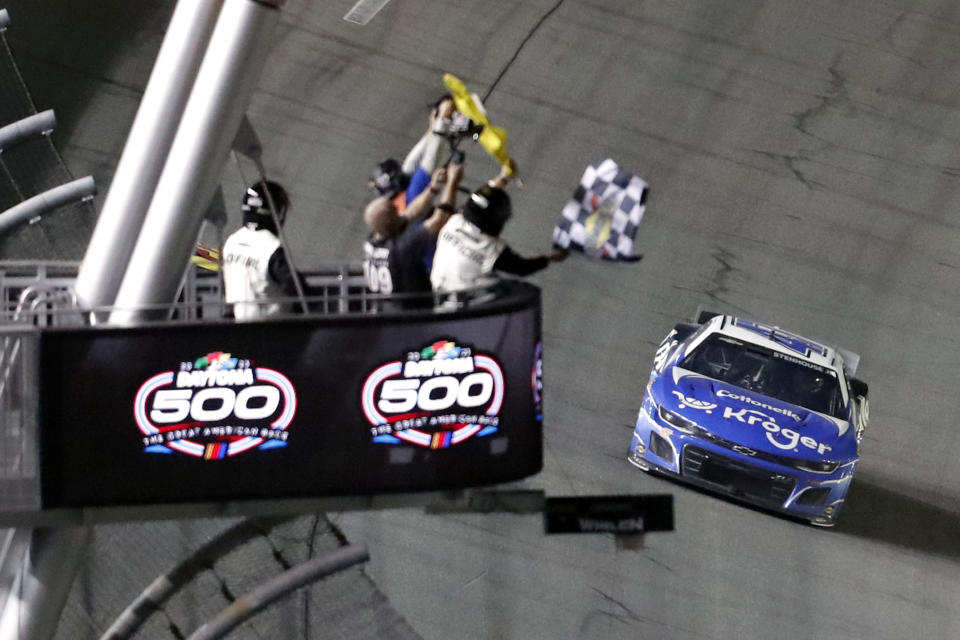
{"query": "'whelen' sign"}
(621, 515)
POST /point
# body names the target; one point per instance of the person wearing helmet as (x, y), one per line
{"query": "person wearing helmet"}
(469, 248)
(256, 272)
(395, 249)
(817, 391)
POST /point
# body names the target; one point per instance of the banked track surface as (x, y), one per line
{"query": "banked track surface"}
(804, 166)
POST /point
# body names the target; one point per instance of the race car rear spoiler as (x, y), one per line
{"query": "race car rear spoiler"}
(851, 361)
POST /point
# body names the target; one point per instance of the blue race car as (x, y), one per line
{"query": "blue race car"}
(754, 412)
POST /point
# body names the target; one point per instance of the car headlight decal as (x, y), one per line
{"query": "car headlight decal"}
(816, 467)
(678, 422)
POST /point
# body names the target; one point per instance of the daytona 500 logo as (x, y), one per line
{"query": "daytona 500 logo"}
(438, 397)
(214, 407)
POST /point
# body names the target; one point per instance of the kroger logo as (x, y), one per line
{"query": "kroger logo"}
(780, 437)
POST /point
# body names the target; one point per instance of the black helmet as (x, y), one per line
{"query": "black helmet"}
(388, 178)
(489, 209)
(256, 205)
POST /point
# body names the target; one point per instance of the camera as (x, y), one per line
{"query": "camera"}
(461, 127)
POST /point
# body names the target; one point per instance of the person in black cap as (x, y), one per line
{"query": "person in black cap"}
(469, 248)
(402, 183)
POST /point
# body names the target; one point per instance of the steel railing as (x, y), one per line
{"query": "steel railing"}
(335, 289)
(338, 289)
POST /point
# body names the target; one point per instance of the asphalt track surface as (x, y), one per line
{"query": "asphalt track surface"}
(804, 163)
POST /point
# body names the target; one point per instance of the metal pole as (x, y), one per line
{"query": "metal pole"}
(303, 574)
(283, 241)
(194, 165)
(37, 595)
(38, 124)
(45, 202)
(159, 591)
(145, 151)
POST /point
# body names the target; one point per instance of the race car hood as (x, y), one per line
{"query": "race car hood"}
(753, 420)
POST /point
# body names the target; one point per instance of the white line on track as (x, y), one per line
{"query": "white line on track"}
(364, 11)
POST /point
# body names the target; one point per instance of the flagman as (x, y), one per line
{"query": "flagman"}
(469, 247)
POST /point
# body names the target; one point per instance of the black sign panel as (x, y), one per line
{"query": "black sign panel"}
(621, 515)
(330, 406)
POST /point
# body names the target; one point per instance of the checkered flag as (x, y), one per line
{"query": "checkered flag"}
(601, 220)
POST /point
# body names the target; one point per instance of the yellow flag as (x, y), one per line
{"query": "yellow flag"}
(206, 257)
(493, 139)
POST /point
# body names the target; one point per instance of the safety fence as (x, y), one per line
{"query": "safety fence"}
(41, 293)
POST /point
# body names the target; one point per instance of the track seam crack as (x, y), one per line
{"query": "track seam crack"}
(516, 53)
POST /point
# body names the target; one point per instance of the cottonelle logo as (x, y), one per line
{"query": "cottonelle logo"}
(438, 397)
(215, 407)
(723, 393)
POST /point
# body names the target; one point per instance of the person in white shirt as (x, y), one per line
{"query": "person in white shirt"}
(256, 272)
(469, 247)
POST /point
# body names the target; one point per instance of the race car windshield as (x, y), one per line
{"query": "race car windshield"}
(768, 372)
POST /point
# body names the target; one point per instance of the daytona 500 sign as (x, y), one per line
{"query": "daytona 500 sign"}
(310, 407)
(441, 396)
